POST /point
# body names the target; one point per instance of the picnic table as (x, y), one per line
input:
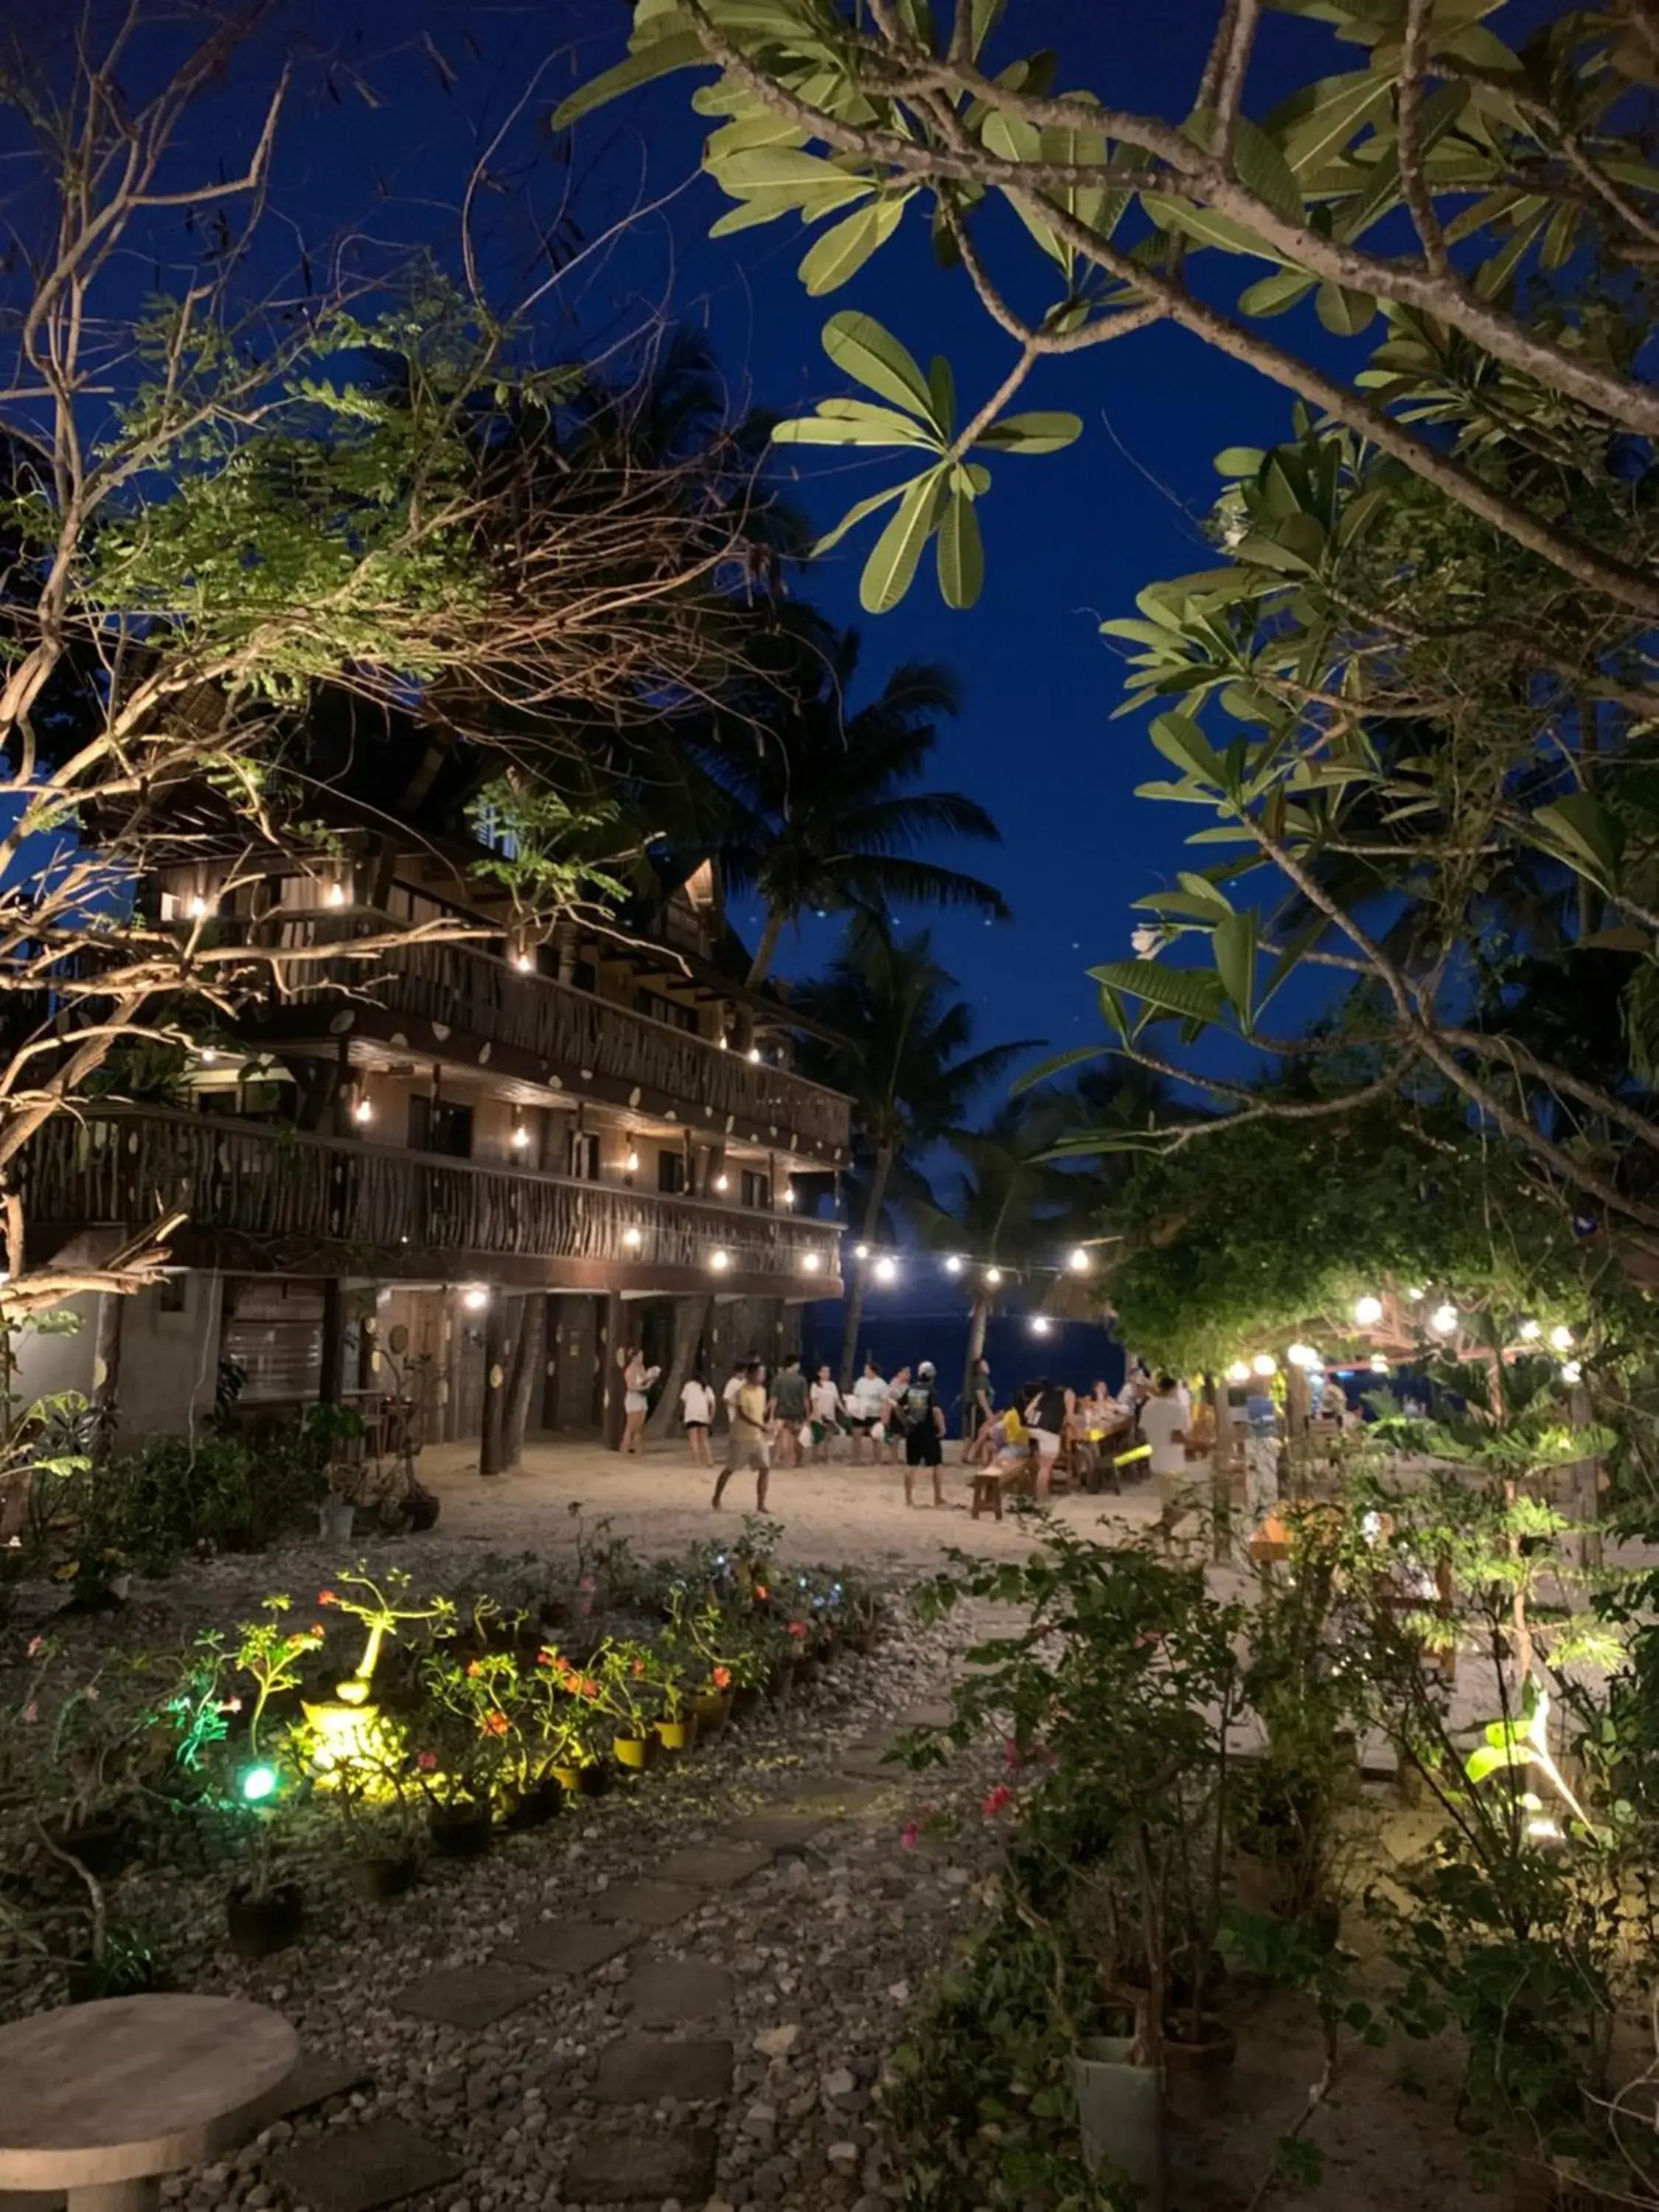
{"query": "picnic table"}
(101, 2099)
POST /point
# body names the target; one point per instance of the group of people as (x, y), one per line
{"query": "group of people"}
(787, 1420)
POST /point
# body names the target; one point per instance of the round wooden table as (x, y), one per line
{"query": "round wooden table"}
(102, 2100)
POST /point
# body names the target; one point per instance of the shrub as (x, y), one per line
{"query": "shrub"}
(152, 1507)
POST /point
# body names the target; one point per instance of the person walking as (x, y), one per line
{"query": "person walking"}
(747, 1445)
(889, 1431)
(788, 1411)
(1163, 1427)
(637, 1379)
(869, 1396)
(976, 1413)
(824, 1400)
(733, 1384)
(697, 1418)
(923, 1418)
(1048, 1406)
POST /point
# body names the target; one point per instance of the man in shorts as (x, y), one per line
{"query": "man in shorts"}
(789, 1410)
(924, 1433)
(869, 1396)
(747, 1445)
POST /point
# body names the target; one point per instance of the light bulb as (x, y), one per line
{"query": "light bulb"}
(632, 1163)
(886, 1269)
(810, 1262)
(1415, 1293)
(520, 1138)
(337, 894)
(788, 1193)
(861, 1251)
(1303, 1355)
(754, 1055)
(1379, 1365)
(1039, 1324)
(722, 1181)
(1444, 1320)
(1239, 1371)
(1368, 1311)
(1529, 1331)
(632, 1237)
(197, 906)
(258, 1783)
(524, 961)
(726, 1044)
(208, 1055)
(1264, 1363)
(720, 1259)
(1571, 1371)
(362, 1111)
(953, 1265)
(993, 1276)
(1079, 1261)
(475, 1300)
(1561, 1339)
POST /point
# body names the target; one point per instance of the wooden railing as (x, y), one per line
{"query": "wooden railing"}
(300, 1199)
(465, 992)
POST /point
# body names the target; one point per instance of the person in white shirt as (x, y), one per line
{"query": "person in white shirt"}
(1163, 1427)
(637, 1379)
(696, 1417)
(733, 1384)
(825, 1403)
(869, 1396)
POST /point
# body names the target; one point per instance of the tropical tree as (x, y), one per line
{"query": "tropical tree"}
(906, 1058)
(823, 809)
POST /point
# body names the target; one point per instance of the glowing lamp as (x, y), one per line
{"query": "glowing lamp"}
(861, 1251)
(953, 1264)
(1264, 1364)
(1561, 1339)
(720, 1259)
(258, 1783)
(1303, 1355)
(1379, 1365)
(632, 1237)
(1415, 1294)
(363, 1111)
(1529, 1331)
(520, 1138)
(475, 1300)
(754, 1055)
(1238, 1372)
(1444, 1320)
(1571, 1371)
(810, 1262)
(1079, 1260)
(523, 962)
(788, 1194)
(993, 1276)
(197, 906)
(1368, 1311)
(886, 1269)
(632, 1163)
(337, 894)
(722, 1181)
(1039, 1324)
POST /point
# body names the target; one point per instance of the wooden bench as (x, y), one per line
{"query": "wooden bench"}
(992, 1483)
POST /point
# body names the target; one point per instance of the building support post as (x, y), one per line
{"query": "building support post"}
(329, 1380)
(492, 1453)
(610, 1374)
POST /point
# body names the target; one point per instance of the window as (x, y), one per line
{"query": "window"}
(585, 1155)
(170, 1293)
(586, 976)
(670, 1010)
(670, 1171)
(436, 1125)
(757, 1188)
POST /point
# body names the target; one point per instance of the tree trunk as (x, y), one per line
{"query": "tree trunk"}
(526, 1367)
(760, 966)
(106, 1373)
(977, 1321)
(611, 1403)
(690, 1319)
(492, 1454)
(850, 1341)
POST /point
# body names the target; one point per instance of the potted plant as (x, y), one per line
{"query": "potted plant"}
(660, 1670)
(625, 1693)
(373, 1799)
(463, 1757)
(571, 1732)
(90, 1755)
(265, 1910)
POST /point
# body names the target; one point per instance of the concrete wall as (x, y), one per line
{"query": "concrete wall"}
(169, 1360)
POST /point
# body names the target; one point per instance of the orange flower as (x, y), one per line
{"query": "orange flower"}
(494, 1724)
(326, 1597)
(722, 1678)
(475, 1668)
(638, 1668)
(762, 1593)
(587, 1687)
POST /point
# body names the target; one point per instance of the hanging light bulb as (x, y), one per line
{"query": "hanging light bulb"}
(722, 1181)
(754, 1055)
(337, 894)
(520, 1139)
(363, 1111)
(1444, 1320)
(993, 1276)
(475, 1300)
(1529, 1331)
(1561, 1339)
(1368, 1311)
(1079, 1260)
(524, 961)
(788, 1193)
(197, 906)
(861, 1251)
(1264, 1364)
(1239, 1371)
(1303, 1355)
(810, 1262)
(1379, 1365)
(1571, 1371)
(632, 1236)
(953, 1264)
(720, 1259)
(1039, 1324)
(632, 1163)
(886, 1269)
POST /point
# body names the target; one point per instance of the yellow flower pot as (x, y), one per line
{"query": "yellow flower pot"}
(635, 1753)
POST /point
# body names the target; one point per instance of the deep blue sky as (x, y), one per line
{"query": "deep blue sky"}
(1070, 538)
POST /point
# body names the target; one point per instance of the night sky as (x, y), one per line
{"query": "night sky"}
(1070, 538)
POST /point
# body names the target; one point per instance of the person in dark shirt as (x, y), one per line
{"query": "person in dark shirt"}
(789, 1410)
(1048, 1406)
(924, 1432)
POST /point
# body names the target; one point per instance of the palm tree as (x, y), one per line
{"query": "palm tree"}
(905, 1059)
(825, 813)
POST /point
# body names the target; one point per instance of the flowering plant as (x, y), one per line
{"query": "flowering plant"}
(469, 1743)
(272, 1657)
(382, 1611)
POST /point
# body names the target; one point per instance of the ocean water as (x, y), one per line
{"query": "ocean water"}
(1072, 1352)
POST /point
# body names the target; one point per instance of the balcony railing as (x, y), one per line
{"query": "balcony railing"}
(457, 990)
(258, 1196)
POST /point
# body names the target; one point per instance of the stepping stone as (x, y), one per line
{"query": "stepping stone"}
(929, 1717)
(646, 1904)
(469, 1997)
(567, 1946)
(870, 1762)
(676, 1990)
(642, 2069)
(607, 2169)
(781, 1833)
(319, 2076)
(833, 1794)
(354, 2169)
(716, 1868)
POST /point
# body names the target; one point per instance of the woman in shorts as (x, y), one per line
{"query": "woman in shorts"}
(697, 1418)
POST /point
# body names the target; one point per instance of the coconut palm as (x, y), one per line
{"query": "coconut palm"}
(826, 811)
(906, 1060)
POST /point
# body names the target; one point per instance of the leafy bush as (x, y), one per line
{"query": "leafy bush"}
(151, 1508)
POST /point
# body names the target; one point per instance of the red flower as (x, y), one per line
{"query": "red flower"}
(1000, 1799)
(910, 1835)
(587, 1687)
(638, 1668)
(326, 1597)
(1010, 1756)
(427, 1761)
(762, 1593)
(475, 1668)
(494, 1724)
(317, 1630)
(546, 1658)
(798, 1628)
(722, 1678)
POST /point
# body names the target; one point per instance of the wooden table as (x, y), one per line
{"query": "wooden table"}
(102, 2100)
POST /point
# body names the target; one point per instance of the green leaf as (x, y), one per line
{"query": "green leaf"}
(759, 168)
(1263, 170)
(1037, 433)
(1194, 994)
(1205, 228)
(845, 247)
(854, 515)
(675, 49)
(1313, 126)
(1592, 837)
(1343, 314)
(1492, 1758)
(961, 553)
(1235, 941)
(872, 356)
(1238, 460)
(983, 16)
(1182, 741)
(892, 566)
(1275, 295)
(1440, 111)
(943, 387)
(838, 431)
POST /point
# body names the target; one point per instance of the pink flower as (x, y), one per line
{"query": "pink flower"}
(909, 1836)
(798, 1628)
(1000, 1799)
(31, 1713)
(586, 1583)
(35, 1646)
(427, 1761)
(1010, 1757)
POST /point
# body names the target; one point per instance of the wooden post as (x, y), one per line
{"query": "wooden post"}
(610, 1375)
(492, 1453)
(329, 1379)
(1585, 1487)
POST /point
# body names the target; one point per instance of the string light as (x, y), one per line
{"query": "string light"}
(1561, 1339)
(1529, 1331)
(886, 1269)
(632, 1163)
(1303, 1355)
(1444, 1320)
(1039, 1324)
(520, 1139)
(754, 1055)
(1079, 1261)
(810, 1262)
(722, 1181)
(953, 1264)
(475, 1300)
(1239, 1371)
(197, 906)
(1571, 1371)
(363, 1110)
(788, 1193)
(993, 1276)
(633, 1237)
(1368, 1311)
(524, 961)
(1264, 1364)
(337, 894)
(861, 1251)
(720, 1259)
